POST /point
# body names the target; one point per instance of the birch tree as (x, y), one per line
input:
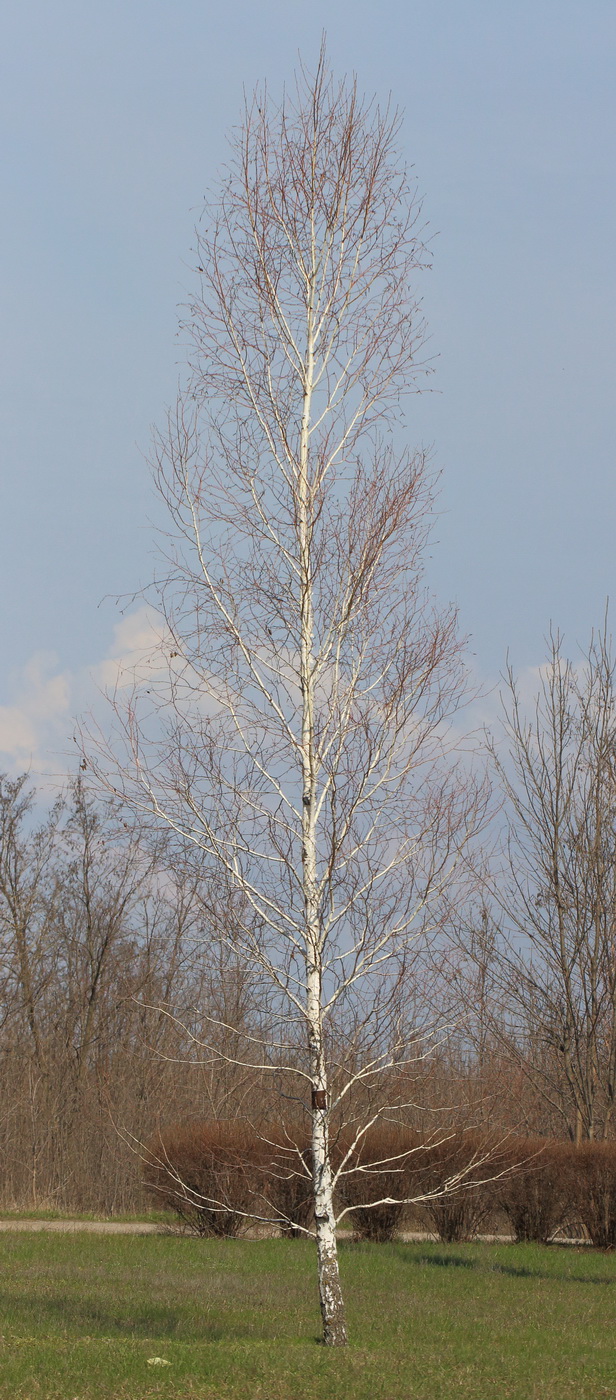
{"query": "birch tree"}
(298, 738)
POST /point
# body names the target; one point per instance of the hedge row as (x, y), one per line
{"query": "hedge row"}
(221, 1177)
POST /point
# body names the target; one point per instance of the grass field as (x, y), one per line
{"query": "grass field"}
(82, 1315)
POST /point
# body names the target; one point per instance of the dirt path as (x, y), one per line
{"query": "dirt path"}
(145, 1227)
(95, 1227)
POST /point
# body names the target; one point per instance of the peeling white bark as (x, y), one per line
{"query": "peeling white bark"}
(330, 1291)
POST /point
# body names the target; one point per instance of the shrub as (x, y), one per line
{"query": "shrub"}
(206, 1173)
(217, 1176)
(286, 1185)
(592, 1174)
(467, 1160)
(377, 1170)
(536, 1193)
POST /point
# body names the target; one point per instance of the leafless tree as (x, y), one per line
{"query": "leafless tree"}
(91, 924)
(553, 957)
(26, 890)
(299, 739)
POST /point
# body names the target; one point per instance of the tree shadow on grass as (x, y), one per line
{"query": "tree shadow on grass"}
(77, 1318)
(458, 1261)
(446, 1261)
(521, 1272)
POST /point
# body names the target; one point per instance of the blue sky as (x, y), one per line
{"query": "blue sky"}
(114, 119)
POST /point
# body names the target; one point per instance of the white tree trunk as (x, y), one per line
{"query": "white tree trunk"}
(330, 1293)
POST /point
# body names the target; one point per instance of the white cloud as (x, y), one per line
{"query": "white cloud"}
(136, 651)
(36, 727)
(37, 716)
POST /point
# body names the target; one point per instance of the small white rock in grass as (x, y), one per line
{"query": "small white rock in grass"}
(158, 1361)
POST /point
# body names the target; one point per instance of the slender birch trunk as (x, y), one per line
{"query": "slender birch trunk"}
(330, 1292)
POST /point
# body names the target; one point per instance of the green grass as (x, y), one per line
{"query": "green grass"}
(80, 1315)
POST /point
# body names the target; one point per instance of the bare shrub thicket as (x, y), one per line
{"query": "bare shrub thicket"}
(209, 1174)
(223, 1177)
(536, 1197)
(471, 1162)
(592, 1191)
(559, 1186)
(377, 1180)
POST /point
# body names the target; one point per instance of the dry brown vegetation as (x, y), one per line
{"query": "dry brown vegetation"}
(223, 1178)
(109, 986)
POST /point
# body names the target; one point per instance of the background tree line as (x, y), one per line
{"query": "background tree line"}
(112, 981)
